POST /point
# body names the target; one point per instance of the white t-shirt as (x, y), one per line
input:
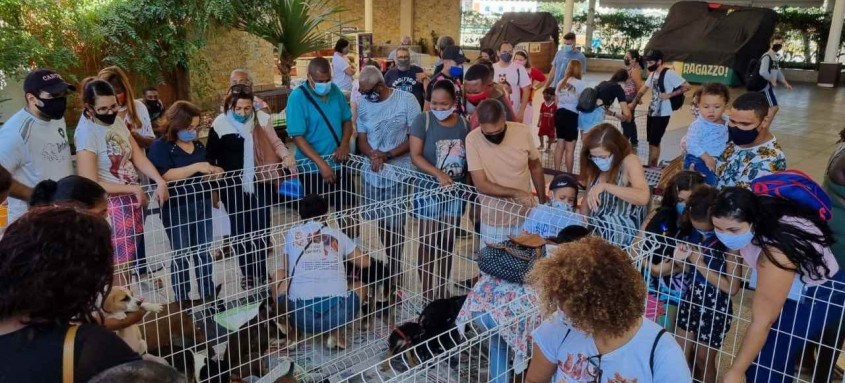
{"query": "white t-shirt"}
(33, 150)
(548, 221)
(672, 80)
(573, 351)
(112, 147)
(339, 77)
(515, 75)
(320, 272)
(146, 122)
(387, 125)
(567, 98)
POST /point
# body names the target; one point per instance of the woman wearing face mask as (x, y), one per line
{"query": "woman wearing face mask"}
(342, 70)
(617, 192)
(133, 112)
(108, 154)
(452, 70)
(520, 57)
(489, 55)
(181, 159)
(235, 144)
(798, 283)
(438, 148)
(634, 66)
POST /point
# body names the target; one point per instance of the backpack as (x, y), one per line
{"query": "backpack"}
(753, 80)
(676, 101)
(796, 186)
(588, 100)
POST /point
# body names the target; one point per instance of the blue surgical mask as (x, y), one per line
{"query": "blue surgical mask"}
(680, 207)
(456, 72)
(567, 48)
(603, 163)
(506, 57)
(706, 233)
(441, 115)
(187, 135)
(322, 88)
(558, 204)
(735, 241)
(242, 118)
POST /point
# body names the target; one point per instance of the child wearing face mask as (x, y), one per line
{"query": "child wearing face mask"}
(707, 136)
(706, 308)
(546, 123)
(547, 220)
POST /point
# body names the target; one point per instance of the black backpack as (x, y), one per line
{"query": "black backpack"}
(588, 100)
(676, 101)
(753, 80)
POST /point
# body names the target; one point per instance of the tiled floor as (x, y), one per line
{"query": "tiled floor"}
(807, 126)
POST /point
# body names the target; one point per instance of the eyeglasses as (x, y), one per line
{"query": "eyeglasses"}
(240, 89)
(594, 368)
(108, 109)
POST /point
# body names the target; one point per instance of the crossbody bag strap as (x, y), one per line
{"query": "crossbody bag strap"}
(299, 258)
(326, 119)
(67, 354)
(653, 349)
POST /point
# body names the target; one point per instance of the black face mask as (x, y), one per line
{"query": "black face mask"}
(496, 138)
(154, 107)
(653, 67)
(53, 108)
(742, 137)
(107, 119)
(777, 47)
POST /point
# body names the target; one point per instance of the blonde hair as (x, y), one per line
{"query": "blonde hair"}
(114, 74)
(573, 69)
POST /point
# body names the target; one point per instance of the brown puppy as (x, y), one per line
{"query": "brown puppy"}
(117, 304)
(245, 348)
(173, 323)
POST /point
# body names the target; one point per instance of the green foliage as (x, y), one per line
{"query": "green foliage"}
(805, 31)
(292, 26)
(623, 29)
(474, 26)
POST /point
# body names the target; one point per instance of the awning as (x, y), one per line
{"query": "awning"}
(745, 3)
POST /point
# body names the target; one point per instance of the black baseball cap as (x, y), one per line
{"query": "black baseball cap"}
(653, 55)
(454, 53)
(563, 181)
(46, 80)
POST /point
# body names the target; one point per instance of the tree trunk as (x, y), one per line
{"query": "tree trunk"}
(285, 65)
(591, 25)
(808, 54)
(180, 79)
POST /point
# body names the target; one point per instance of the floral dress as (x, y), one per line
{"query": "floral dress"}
(739, 166)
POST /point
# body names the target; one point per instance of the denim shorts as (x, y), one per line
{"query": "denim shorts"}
(436, 206)
(320, 315)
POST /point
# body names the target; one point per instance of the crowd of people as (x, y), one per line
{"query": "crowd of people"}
(77, 229)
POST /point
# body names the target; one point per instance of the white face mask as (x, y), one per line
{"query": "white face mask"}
(441, 115)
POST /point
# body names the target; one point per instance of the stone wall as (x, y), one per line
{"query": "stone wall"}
(442, 16)
(227, 50)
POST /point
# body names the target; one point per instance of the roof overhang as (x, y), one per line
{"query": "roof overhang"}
(744, 3)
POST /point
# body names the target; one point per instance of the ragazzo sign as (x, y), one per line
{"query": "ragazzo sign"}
(701, 73)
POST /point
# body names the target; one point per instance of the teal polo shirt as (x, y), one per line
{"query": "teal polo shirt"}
(305, 121)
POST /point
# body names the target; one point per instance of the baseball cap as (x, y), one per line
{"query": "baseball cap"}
(653, 55)
(47, 80)
(562, 181)
(454, 53)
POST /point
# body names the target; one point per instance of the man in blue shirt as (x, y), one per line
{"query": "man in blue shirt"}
(320, 122)
(561, 60)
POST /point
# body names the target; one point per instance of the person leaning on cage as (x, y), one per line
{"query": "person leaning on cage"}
(312, 284)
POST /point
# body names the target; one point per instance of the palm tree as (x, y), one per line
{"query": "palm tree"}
(294, 27)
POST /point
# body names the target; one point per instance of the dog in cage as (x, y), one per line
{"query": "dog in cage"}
(117, 305)
(433, 333)
(377, 279)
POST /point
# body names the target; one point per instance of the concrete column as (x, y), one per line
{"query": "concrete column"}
(406, 19)
(591, 24)
(368, 15)
(567, 17)
(832, 50)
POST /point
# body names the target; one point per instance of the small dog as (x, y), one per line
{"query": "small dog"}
(246, 347)
(377, 279)
(176, 324)
(401, 340)
(117, 304)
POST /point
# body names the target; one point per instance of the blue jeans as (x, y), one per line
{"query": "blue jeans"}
(498, 355)
(188, 224)
(319, 315)
(820, 308)
(699, 166)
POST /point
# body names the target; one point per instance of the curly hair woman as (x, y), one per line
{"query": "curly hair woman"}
(592, 297)
(54, 264)
(799, 285)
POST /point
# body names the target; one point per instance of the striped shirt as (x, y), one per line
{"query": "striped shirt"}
(387, 125)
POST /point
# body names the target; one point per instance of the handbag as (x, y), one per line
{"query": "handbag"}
(512, 259)
(67, 354)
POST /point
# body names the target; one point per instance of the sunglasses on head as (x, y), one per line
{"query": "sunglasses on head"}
(240, 89)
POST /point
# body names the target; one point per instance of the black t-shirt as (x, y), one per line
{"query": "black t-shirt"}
(406, 80)
(609, 92)
(34, 354)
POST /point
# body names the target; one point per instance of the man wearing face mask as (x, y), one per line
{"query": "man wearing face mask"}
(770, 70)
(452, 70)
(753, 150)
(567, 52)
(384, 118)
(504, 163)
(154, 105)
(405, 43)
(479, 86)
(33, 142)
(406, 76)
(517, 75)
(320, 122)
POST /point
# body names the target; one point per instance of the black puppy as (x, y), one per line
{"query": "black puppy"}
(378, 281)
(434, 332)
(401, 340)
